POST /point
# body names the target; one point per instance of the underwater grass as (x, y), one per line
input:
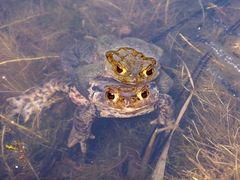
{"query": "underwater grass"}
(215, 137)
(32, 37)
(209, 147)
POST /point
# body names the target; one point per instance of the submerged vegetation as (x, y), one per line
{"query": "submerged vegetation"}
(33, 34)
(209, 145)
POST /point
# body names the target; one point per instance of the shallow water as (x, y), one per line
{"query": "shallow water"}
(33, 34)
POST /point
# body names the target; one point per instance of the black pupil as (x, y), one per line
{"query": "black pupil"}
(110, 96)
(144, 94)
(149, 72)
(119, 70)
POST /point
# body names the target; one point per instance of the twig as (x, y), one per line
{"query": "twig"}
(148, 152)
(28, 59)
(21, 20)
(114, 166)
(166, 12)
(158, 173)
(149, 148)
(185, 39)
(11, 123)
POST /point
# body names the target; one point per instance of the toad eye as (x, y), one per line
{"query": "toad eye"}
(120, 70)
(148, 72)
(110, 95)
(143, 94)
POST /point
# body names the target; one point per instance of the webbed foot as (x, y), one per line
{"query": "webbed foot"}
(81, 130)
(25, 105)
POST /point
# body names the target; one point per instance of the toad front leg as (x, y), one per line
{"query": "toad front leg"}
(166, 107)
(81, 130)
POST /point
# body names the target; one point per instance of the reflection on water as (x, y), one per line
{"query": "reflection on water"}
(225, 57)
(204, 34)
(231, 65)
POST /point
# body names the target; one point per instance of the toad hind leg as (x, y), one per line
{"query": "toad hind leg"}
(81, 130)
(36, 99)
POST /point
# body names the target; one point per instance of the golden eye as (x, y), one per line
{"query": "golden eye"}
(110, 95)
(148, 72)
(143, 94)
(121, 70)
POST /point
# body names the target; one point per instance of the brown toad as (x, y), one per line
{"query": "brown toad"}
(108, 77)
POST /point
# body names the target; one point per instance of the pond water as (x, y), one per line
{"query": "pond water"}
(204, 35)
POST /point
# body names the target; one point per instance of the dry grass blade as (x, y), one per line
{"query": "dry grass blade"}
(212, 139)
(158, 173)
(28, 59)
(113, 167)
(9, 170)
(203, 10)
(23, 129)
(166, 11)
(189, 43)
(21, 20)
(10, 173)
(33, 170)
(148, 152)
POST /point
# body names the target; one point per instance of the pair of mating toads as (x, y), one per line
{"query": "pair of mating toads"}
(105, 77)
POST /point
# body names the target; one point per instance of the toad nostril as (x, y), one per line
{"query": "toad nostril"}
(126, 102)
